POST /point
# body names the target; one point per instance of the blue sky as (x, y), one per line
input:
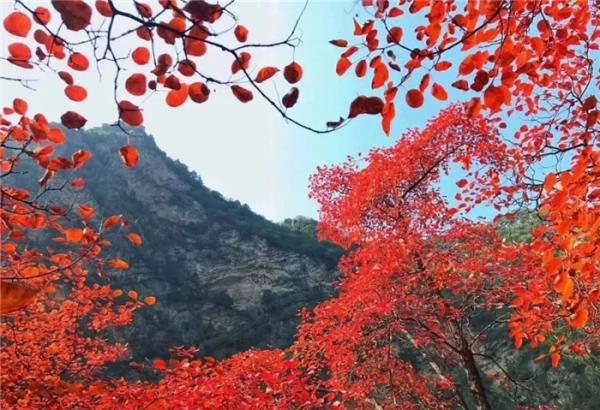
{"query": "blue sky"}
(247, 151)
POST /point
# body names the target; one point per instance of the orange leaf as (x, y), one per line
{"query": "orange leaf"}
(86, 211)
(112, 221)
(132, 294)
(549, 182)
(119, 264)
(265, 73)
(555, 359)
(150, 300)
(73, 235)
(579, 319)
(14, 296)
(134, 238)
(129, 155)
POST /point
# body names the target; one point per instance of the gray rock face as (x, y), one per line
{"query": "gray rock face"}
(225, 278)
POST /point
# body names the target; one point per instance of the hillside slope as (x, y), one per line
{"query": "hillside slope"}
(225, 278)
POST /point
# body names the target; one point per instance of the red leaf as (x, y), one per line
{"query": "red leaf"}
(443, 65)
(293, 73)
(76, 14)
(66, 77)
(159, 364)
(130, 113)
(76, 92)
(136, 84)
(265, 73)
(81, 157)
(104, 8)
(72, 120)
(380, 77)
(198, 92)
(141, 55)
(129, 155)
(365, 105)
(394, 35)
(493, 97)
(414, 98)
(461, 85)
(339, 43)
(439, 92)
(20, 54)
(41, 15)
(361, 68)
(17, 23)
(20, 106)
(78, 61)
(177, 97)
(244, 58)
(14, 296)
(342, 66)
(241, 93)
(289, 100)
(187, 67)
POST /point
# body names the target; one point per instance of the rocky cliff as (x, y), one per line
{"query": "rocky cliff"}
(225, 278)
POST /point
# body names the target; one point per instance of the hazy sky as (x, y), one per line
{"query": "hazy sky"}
(247, 151)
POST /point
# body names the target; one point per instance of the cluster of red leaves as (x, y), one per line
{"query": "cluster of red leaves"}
(504, 51)
(53, 310)
(509, 57)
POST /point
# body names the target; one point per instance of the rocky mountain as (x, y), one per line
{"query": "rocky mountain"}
(225, 278)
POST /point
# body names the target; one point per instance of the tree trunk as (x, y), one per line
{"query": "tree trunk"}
(474, 377)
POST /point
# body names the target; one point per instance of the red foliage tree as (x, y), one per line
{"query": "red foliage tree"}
(534, 59)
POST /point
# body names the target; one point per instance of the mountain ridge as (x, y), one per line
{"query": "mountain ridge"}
(225, 278)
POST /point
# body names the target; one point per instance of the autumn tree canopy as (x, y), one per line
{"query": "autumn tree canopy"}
(520, 133)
